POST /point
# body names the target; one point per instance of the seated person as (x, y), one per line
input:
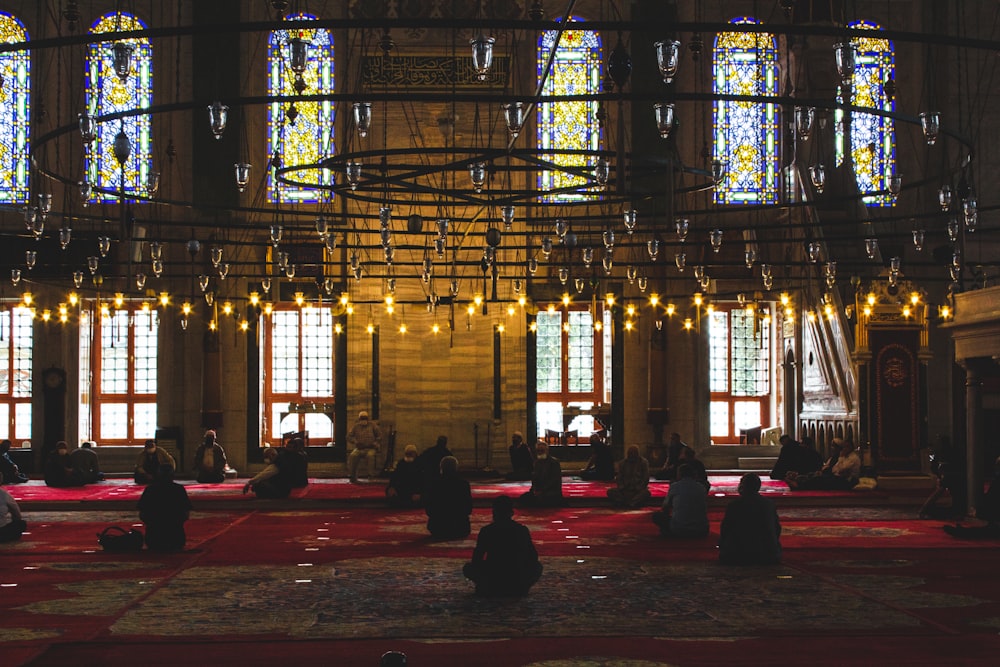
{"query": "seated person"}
(275, 480)
(12, 524)
(633, 480)
(150, 460)
(698, 471)
(685, 508)
(295, 461)
(949, 479)
(601, 466)
(795, 457)
(839, 473)
(448, 503)
(210, 460)
(521, 458)
(406, 481)
(504, 562)
(59, 471)
(365, 439)
(546, 480)
(987, 511)
(84, 460)
(675, 450)
(10, 470)
(429, 460)
(164, 507)
(750, 529)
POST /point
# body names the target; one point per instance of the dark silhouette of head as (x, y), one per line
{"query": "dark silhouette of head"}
(449, 466)
(749, 484)
(684, 470)
(503, 508)
(4, 446)
(393, 659)
(442, 441)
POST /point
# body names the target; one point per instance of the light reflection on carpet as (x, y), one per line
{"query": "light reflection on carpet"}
(428, 598)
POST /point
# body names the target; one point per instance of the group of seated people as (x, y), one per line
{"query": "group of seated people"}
(64, 469)
(801, 467)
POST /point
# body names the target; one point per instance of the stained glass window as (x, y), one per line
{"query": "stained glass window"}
(576, 70)
(15, 128)
(873, 138)
(300, 132)
(746, 133)
(106, 93)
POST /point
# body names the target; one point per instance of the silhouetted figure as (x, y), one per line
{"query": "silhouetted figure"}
(750, 530)
(10, 470)
(521, 458)
(839, 473)
(690, 459)
(685, 508)
(675, 450)
(546, 480)
(294, 461)
(12, 524)
(210, 460)
(796, 457)
(448, 503)
(164, 507)
(430, 461)
(504, 562)
(601, 466)
(988, 511)
(275, 480)
(59, 471)
(406, 481)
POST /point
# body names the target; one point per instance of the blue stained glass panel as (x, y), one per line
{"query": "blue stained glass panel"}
(15, 109)
(105, 93)
(746, 133)
(310, 137)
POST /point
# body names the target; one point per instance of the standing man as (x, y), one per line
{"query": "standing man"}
(365, 437)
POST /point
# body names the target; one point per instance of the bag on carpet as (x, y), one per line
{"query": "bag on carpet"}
(118, 540)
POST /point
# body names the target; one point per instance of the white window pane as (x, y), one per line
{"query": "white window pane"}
(278, 426)
(719, 420)
(320, 429)
(5, 422)
(549, 417)
(22, 421)
(747, 414)
(113, 421)
(145, 421)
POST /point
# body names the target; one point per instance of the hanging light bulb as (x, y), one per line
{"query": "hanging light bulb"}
(92, 264)
(918, 239)
(38, 227)
(218, 114)
(157, 267)
(718, 170)
(152, 182)
(561, 228)
(944, 197)
(65, 234)
(750, 256)
(668, 58)
(653, 248)
(216, 253)
(813, 249)
(607, 262)
(817, 174)
(546, 247)
(384, 216)
(970, 207)
(930, 123)
(532, 265)
(513, 113)
(680, 260)
(44, 203)
(477, 174)
(952, 229)
(363, 117)
(224, 270)
(121, 59)
(871, 247)
(322, 226)
(77, 278)
(563, 274)
(895, 184)
(86, 192)
(276, 231)
(103, 245)
(88, 127)
(804, 120)
(579, 284)
(507, 215)
(482, 55)
(715, 238)
(242, 175)
(681, 225)
(631, 272)
(15, 276)
(385, 237)
(631, 217)
(664, 115)
(609, 239)
(602, 171)
(353, 170)
(699, 272)
(140, 280)
(845, 55)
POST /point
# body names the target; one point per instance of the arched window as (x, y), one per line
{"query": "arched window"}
(746, 133)
(873, 138)
(15, 112)
(107, 93)
(576, 70)
(300, 132)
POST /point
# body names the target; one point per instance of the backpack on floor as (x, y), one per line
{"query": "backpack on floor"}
(118, 540)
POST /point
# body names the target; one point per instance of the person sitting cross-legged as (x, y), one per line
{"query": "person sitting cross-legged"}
(406, 480)
(504, 562)
(601, 466)
(521, 458)
(151, 459)
(86, 464)
(546, 480)
(633, 480)
(210, 460)
(12, 524)
(685, 509)
(59, 470)
(10, 470)
(164, 507)
(988, 511)
(275, 480)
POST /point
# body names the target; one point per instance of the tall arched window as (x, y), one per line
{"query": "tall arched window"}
(873, 138)
(576, 70)
(300, 132)
(746, 133)
(107, 93)
(15, 112)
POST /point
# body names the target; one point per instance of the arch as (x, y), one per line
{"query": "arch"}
(746, 134)
(873, 137)
(106, 93)
(305, 135)
(15, 113)
(573, 125)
